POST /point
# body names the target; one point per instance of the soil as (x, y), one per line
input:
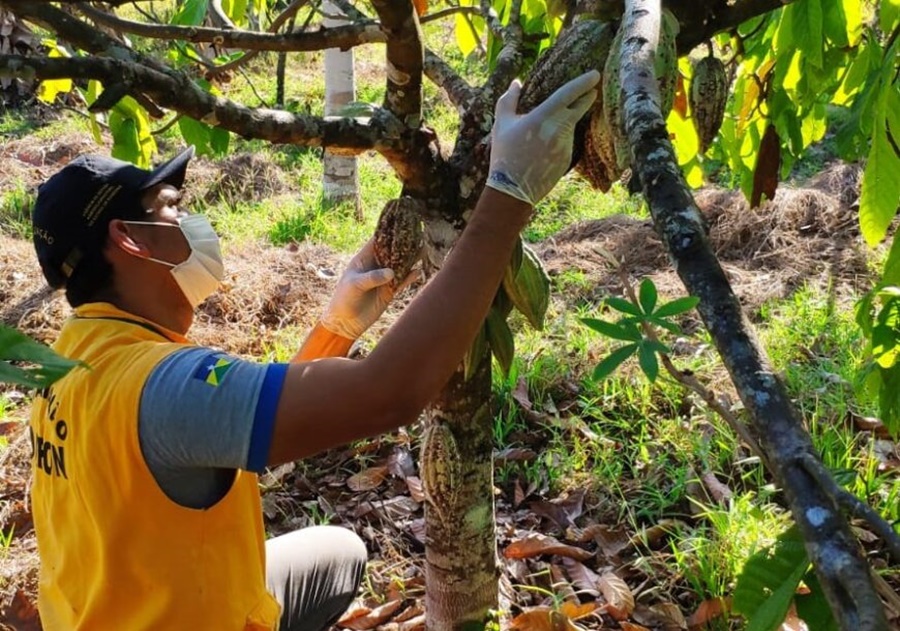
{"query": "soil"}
(806, 235)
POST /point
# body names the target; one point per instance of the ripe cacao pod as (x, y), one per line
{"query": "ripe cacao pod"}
(398, 237)
(708, 97)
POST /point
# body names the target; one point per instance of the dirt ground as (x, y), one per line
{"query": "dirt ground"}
(806, 235)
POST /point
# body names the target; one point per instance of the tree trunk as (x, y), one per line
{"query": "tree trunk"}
(340, 182)
(460, 551)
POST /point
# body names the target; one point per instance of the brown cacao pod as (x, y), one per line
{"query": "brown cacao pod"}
(580, 48)
(708, 97)
(440, 467)
(398, 237)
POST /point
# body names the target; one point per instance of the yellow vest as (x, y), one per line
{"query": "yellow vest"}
(116, 553)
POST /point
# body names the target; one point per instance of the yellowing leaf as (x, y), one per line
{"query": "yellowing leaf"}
(466, 37)
(880, 186)
(684, 137)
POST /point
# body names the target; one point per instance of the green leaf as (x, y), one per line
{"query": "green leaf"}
(880, 194)
(219, 139)
(192, 13)
(672, 327)
(676, 307)
(769, 580)
(649, 362)
(614, 331)
(813, 608)
(475, 353)
(44, 367)
(647, 295)
(889, 15)
(835, 22)
(613, 361)
(808, 29)
(500, 339)
(624, 306)
(126, 144)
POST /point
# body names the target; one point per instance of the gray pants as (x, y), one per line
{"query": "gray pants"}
(314, 574)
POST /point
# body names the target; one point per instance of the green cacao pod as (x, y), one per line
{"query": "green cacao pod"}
(529, 287)
(708, 97)
(398, 237)
(612, 103)
(667, 61)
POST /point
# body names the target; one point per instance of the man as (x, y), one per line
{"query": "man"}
(145, 496)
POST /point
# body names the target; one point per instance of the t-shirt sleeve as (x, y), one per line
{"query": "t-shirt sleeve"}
(202, 408)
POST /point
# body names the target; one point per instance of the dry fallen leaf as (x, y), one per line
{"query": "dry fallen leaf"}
(619, 599)
(537, 544)
(21, 614)
(414, 484)
(661, 616)
(377, 616)
(792, 622)
(584, 578)
(709, 610)
(543, 619)
(719, 491)
(367, 479)
(576, 611)
(630, 626)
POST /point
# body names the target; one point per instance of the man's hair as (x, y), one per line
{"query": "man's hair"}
(71, 215)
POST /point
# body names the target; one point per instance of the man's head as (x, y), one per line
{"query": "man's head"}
(73, 211)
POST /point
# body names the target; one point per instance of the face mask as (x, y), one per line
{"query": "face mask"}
(200, 274)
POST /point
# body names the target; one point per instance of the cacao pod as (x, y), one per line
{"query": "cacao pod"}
(708, 97)
(529, 287)
(580, 48)
(666, 64)
(440, 467)
(398, 237)
(612, 104)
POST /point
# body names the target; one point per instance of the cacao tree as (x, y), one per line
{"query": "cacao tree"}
(787, 62)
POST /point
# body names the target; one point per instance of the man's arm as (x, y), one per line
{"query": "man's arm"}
(334, 401)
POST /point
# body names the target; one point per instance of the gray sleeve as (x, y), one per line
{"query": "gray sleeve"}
(199, 409)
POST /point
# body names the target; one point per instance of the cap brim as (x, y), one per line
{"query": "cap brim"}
(171, 172)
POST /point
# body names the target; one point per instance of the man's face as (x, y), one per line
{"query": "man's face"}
(167, 244)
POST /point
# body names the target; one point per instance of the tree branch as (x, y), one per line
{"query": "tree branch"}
(716, 16)
(346, 135)
(437, 15)
(405, 59)
(460, 93)
(509, 61)
(342, 37)
(842, 571)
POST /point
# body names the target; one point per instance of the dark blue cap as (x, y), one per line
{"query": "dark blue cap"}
(74, 206)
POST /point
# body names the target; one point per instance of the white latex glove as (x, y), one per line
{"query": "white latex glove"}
(530, 152)
(361, 296)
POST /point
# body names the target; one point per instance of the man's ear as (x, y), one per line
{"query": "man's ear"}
(123, 237)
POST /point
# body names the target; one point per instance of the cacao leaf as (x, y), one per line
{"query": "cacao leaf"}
(537, 544)
(768, 581)
(619, 598)
(584, 578)
(529, 289)
(367, 479)
(475, 353)
(768, 163)
(45, 365)
(500, 339)
(813, 607)
(880, 193)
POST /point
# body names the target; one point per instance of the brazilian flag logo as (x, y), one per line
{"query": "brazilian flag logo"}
(213, 369)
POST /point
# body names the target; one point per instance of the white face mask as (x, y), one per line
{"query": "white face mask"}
(200, 274)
